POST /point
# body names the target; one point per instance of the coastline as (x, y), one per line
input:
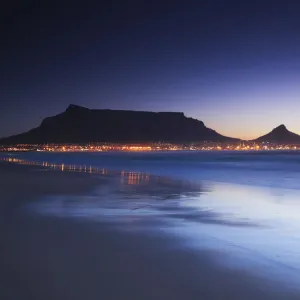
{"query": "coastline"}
(53, 258)
(23, 183)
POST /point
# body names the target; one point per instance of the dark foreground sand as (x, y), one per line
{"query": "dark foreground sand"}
(50, 258)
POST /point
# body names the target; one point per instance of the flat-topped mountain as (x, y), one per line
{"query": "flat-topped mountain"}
(82, 125)
(279, 135)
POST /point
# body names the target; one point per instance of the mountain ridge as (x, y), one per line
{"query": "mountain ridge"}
(78, 124)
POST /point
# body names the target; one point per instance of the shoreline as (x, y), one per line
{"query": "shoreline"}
(42, 181)
(52, 258)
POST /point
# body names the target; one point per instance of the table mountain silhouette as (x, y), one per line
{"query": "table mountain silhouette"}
(78, 124)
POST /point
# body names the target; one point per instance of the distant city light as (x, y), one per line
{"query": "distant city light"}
(105, 147)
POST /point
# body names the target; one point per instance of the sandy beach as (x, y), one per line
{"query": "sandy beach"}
(46, 257)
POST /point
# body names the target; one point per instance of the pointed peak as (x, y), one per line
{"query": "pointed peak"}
(73, 107)
(281, 128)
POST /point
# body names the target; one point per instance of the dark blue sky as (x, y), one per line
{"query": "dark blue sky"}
(233, 64)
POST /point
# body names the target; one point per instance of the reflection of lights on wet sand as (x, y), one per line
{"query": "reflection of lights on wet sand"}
(131, 178)
(134, 178)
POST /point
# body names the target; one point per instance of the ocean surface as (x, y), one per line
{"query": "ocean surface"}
(244, 205)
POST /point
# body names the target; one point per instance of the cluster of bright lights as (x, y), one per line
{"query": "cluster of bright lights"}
(244, 146)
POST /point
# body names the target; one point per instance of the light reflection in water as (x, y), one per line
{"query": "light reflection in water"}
(241, 220)
(133, 178)
(156, 185)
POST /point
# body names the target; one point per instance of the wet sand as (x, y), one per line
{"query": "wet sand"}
(45, 257)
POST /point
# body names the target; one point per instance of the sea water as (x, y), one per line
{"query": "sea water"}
(244, 204)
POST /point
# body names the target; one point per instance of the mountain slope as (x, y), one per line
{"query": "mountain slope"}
(279, 135)
(82, 125)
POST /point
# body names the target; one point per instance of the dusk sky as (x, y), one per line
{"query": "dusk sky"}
(235, 65)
